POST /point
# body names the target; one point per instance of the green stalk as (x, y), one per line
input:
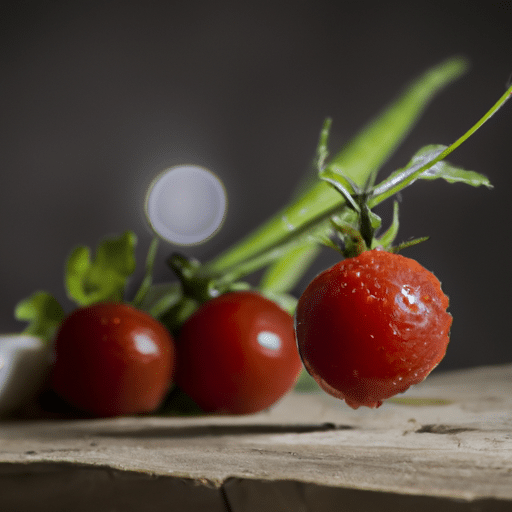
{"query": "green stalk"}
(288, 253)
(306, 237)
(147, 280)
(360, 158)
(283, 275)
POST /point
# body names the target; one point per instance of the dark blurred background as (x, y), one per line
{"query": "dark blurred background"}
(96, 98)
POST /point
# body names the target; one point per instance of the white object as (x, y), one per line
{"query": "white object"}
(269, 340)
(24, 365)
(186, 205)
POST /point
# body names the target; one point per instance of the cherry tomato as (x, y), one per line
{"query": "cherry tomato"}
(237, 354)
(371, 326)
(112, 359)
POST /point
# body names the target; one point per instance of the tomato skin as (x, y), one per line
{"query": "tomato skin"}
(371, 326)
(221, 364)
(112, 359)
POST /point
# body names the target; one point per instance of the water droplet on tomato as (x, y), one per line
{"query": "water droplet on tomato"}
(186, 205)
(145, 345)
(409, 295)
(269, 340)
(409, 300)
(116, 320)
(396, 331)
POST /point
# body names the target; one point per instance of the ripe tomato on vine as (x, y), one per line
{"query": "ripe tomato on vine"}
(371, 326)
(237, 354)
(112, 359)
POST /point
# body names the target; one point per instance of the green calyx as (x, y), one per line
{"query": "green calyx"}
(360, 234)
(357, 228)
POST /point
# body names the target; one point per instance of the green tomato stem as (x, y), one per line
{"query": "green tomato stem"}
(305, 234)
(358, 160)
(147, 280)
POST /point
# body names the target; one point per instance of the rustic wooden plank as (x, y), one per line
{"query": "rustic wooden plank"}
(449, 440)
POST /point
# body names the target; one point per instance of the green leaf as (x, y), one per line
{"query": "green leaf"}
(343, 184)
(402, 178)
(326, 241)
(426, 165)
(353, 241)
(447, 171)
(103, 278)
(283, 275)
(43, 313)
(388, 237)
(409, 243)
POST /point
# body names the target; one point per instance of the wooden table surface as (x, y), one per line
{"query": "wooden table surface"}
(444, 445)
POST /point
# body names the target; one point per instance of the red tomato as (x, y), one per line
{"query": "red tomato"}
(371, 326)
(237, 354)
(112, 359)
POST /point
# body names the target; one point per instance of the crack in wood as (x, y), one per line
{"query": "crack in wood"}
(442, 429)
(219, 430)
